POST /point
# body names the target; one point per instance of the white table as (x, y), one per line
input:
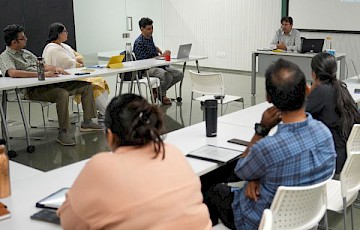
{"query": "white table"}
(19, 172)
(30, 189)
(107, 55)
(7, 83)
(26, 192)
(302, 60)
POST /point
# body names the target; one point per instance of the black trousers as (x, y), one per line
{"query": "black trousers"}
(218, 196)
(218, 200)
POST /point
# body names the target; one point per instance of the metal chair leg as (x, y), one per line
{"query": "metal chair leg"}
(352, 216)
(191, 102)
(344, 212)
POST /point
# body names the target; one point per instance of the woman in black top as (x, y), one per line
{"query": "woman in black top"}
(330, 102)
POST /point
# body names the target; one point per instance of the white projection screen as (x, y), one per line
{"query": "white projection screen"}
(333, 15)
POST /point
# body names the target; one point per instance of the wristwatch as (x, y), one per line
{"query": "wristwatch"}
(261, 130)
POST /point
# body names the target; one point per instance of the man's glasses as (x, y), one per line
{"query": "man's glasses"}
(65, 31)
(22, 39)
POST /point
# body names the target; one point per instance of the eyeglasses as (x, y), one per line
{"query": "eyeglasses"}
(22, 39)
(65, 31)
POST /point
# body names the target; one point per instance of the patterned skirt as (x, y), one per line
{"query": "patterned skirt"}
(99, 86)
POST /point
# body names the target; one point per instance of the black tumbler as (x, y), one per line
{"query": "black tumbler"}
(211, 117)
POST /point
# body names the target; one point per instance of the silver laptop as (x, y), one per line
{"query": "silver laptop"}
(356, 72)
(183, 52)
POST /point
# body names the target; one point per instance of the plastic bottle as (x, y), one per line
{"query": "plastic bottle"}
(128, 52)
(4, 173)
(328, 43)
(40, 69)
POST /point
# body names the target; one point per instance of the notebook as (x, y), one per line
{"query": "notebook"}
(183, 52)
(215, 154)
(312, 45)
(115, 61)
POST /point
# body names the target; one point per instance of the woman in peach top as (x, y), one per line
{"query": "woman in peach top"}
(142, 184)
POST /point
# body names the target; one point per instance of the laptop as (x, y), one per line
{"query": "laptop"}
(115, 61)
(183, 52)
(312, 45)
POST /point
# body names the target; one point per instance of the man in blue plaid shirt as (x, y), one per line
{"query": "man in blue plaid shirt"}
(301, 152)
(144, 48)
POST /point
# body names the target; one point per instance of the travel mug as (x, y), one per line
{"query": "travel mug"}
(211, 117)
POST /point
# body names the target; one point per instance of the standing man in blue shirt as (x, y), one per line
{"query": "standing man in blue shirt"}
(301, 152)
(144, 48)
(286, 38)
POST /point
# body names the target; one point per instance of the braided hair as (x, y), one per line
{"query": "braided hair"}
(135, 122)
(325, 67)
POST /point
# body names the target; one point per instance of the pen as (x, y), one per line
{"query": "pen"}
(96, 66)
(81, 74)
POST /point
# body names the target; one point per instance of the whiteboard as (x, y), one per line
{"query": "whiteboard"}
(342, 15)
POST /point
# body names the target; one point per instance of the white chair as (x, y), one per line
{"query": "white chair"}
(120, 79)
(343, 193)
(266, 220)
(210, 85)
(42, 104)
(154, 83)
(300, 207)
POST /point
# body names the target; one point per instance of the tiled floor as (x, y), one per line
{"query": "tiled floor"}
(50, 155)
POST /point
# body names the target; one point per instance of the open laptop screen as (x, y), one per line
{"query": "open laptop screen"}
(312, 45)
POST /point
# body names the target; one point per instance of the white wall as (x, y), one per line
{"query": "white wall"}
(99, 25)
(231, 28)
(153, 9)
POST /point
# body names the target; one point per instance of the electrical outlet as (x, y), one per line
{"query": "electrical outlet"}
(126, 35)
(221, 54)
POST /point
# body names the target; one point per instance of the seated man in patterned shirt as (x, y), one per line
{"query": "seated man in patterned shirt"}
(144, 48)
(301, 152)
(17, 62)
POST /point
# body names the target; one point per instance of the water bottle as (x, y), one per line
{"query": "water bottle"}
(211, 117)
(328, 45)
(4, 173)
(128, 52)
(40, 69)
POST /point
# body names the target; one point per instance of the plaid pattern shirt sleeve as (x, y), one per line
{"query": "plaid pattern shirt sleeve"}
(298, 154)
(144, 48)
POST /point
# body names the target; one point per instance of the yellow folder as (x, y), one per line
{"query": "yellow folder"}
(115, 61)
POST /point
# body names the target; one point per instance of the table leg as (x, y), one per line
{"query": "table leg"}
(5, 131)
(253, 74)
(149, 85)
(30, 148)
(181, 83)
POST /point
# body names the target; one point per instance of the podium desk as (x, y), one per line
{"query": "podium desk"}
(266, 58)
